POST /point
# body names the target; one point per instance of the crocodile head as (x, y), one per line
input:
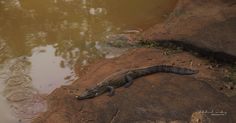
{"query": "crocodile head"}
(88, 93)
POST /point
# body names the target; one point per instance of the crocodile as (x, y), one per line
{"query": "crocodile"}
(125, 78)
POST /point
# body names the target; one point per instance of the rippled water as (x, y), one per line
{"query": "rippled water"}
(41, 41)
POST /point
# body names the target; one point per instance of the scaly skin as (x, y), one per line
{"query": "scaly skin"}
(126, 77)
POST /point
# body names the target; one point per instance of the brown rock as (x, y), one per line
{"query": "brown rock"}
(156, 98)
(208, 24)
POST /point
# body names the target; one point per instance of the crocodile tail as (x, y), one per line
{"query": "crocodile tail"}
(163, 68)
(176, 70)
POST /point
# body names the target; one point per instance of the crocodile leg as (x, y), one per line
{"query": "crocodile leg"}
(111, 90)
(129, 81)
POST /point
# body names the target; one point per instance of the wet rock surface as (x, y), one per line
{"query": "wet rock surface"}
(208, 24)
(161, 97)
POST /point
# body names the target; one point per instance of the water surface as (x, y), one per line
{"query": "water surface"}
(41, 41)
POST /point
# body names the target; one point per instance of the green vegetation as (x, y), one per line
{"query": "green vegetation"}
(231, 77)
(169, 48)
(148, 44)
(119, 43)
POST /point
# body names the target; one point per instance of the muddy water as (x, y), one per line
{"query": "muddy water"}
(41, 40)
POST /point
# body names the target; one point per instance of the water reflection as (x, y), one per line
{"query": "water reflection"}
(7, 116)
(42, 40)
(50, 70)
(22, 97)
(5, 51)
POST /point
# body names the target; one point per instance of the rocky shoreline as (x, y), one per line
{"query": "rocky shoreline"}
(156, 98)
(162, 97)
